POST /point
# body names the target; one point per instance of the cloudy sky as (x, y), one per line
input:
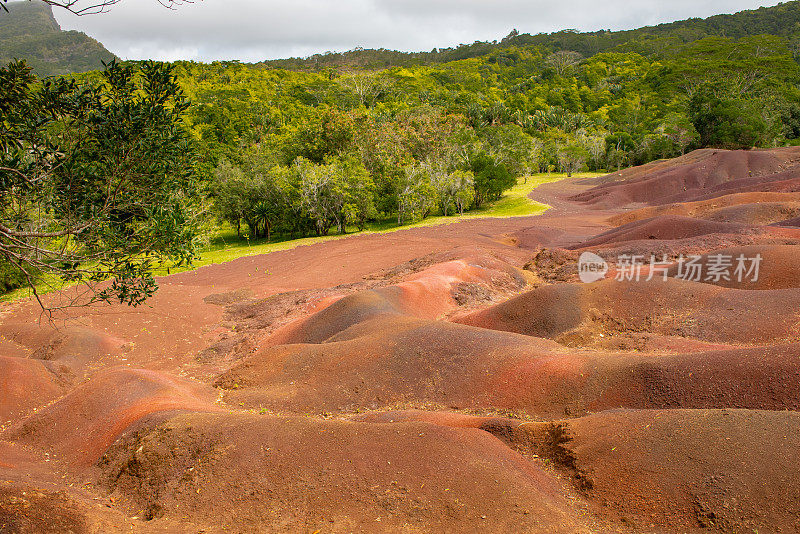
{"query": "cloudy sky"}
(252, 30)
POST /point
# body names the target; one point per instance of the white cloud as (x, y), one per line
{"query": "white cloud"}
(252, 30)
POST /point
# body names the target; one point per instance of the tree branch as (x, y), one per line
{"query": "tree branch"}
(93, 7)
(63, 233)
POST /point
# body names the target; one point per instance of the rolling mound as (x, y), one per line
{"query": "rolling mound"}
(689, 470)
(81, 425)
(377, 363)
(25, 385)
(756, 214)
(699, 175)
(779, 267)
(31, 509)
(744, 208)
(393, 361)
(430, 293)
(411, 477)
(663, 227)
(790, 223)
(692, 470)
(72, 352)
(455, 378)
(670, 308)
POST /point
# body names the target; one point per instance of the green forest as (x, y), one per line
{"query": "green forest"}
(304, 152)
(339, 142)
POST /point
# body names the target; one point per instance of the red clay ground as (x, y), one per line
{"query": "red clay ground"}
(456, 378)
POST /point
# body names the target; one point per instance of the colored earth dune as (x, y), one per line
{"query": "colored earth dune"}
(457, 378)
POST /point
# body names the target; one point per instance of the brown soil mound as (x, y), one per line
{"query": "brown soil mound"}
(33, 509)
(656, 249)
(757, 378)
(335, 318)
(691, 470)
(701, 174)
(72, 351)
(790, 223)
(382, 362)
(430, 293)
(785, 182)
(663, 227)
(574, 312)
(412, 362)
(25, 385)
(779, 267)
(667, 470)
(533, 238)
(310, 475)
(702, 208)
(577, 384)
(81, 425)
(756, 214)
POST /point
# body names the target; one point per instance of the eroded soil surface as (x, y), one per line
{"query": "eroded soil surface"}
(456, 378)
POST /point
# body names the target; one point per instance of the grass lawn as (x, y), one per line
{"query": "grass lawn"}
(226, 246)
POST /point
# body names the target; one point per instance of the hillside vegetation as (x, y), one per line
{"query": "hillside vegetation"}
(782, 20)
(301, 152)
(29, 31)
(325, 146)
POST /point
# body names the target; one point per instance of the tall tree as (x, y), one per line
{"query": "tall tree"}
(572, 158)
(732, 123)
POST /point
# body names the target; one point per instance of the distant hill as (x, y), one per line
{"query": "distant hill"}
(29, 31)
(782, 20)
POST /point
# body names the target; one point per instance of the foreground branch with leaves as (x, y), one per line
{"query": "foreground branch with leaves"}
(96, 182)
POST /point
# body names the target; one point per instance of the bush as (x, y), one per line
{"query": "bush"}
(11, 277)
(491, 179)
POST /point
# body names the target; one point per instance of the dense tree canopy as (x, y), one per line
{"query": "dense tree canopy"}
(443, 138)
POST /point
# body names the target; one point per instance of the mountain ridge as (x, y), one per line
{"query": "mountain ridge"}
(29, 31)
(646, 40)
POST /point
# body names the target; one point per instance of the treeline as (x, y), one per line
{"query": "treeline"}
(658, 41)
(334, 169)
(301, 153)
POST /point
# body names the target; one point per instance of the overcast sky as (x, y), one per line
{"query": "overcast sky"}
(252, 30)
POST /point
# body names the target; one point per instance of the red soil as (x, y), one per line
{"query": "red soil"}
(306, 475)
(426, 294)
(726, 470)
(756, 209)
(25, 385)
(669, 308)
(779, 267)
(234, 401)
(81, 425)
(666, 470)
(664, 227)
(700, 175)
(792, 223)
